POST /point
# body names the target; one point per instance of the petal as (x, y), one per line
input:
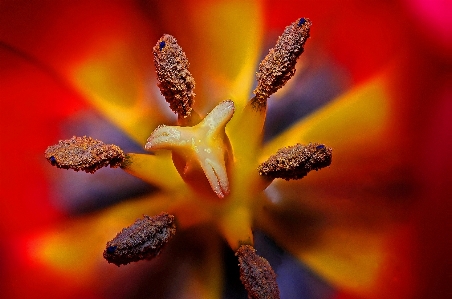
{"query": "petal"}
(69, 254)
(76, 247)
(351, 33)
(115, 74)
(359, 115)
(101, 48)
(188, 265)
(72, 255)
(349, 222)
(359, 248)
(117, 87)
(31, 114)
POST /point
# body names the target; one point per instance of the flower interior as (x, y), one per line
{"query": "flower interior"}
(210, 164)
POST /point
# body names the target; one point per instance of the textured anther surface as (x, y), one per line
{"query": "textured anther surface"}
(84, 153)
(174, 79)
(144, 239)
(256, 274)
(279, 64)
(294, 162)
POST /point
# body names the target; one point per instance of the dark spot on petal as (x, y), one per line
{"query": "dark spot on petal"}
(301, 21)
(52, 160)
(162, 45)
(111, 249)
(320, 147)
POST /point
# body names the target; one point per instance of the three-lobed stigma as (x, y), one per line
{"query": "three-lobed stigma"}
(205, 142)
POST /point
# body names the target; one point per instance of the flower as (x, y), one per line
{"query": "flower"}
(402, 206)
(204, 150)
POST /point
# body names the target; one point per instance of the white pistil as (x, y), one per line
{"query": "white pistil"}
(204, 141)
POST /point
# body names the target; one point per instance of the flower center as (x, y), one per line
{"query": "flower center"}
(204, 146)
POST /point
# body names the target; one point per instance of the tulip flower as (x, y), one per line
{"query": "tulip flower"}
(226, 177)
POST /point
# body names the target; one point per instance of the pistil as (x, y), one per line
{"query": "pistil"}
(205, 142)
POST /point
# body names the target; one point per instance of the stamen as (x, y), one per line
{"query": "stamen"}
(279, 64)
(144, 239)
(175, 81)
(84, 153)
(294, 162)
(256, 274)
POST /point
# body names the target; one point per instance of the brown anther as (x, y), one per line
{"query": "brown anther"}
(144, 239)
(175, 81)
(294, 162)
(84, 153)
(279, 64)
(256, 274)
